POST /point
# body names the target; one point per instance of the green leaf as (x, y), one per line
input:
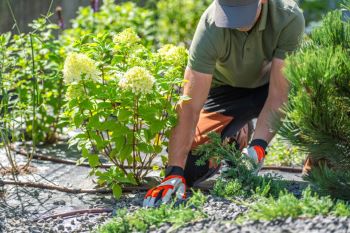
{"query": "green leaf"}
(92, 158)
(156, 125)
(123, 115)
(164, 159)
(144, 147)
(119, 142)
(78, 120)
(108, 125)
(81, 136)
(86, 104)
(157, 149)
(94, 122)
(117, 191)
(73, 103)
(131, 179)
(104, 105)
(125, 152)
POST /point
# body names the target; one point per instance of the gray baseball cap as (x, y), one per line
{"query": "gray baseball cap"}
(235, 13)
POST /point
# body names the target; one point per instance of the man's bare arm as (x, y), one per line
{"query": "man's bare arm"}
(278, 95)
(197, 88)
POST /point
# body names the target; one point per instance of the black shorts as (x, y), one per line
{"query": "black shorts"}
(226, 111)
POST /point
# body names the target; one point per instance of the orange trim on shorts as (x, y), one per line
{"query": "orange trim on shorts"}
(208, 122)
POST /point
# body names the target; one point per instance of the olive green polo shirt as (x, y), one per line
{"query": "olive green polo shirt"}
(243, 59)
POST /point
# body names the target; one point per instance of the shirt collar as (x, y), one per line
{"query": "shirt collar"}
(263, 19)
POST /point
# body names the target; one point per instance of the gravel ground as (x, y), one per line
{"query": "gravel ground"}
(21, 208)
(221, 214)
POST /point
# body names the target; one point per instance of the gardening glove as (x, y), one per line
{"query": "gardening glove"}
(256, 152)
(174, 183)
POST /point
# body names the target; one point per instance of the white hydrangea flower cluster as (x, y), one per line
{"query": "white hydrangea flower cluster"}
(77, 64)
(137, 79)
(177, 55)
(128, 36)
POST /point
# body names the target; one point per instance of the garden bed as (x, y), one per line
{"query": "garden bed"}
(26, 209)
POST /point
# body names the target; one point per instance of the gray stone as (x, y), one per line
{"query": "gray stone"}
(60, 227)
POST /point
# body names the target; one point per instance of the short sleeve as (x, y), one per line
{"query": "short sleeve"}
(290, 37)
(204, 47)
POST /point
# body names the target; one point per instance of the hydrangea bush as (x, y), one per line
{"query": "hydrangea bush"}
(122, 97)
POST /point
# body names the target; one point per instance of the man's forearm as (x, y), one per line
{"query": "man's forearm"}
(271, 114)
(196, 87)
(268, 120)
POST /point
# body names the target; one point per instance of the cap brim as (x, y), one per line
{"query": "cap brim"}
(235, 16)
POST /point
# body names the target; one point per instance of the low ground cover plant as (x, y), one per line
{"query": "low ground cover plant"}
(237, 179)
(266, 197)
(142, 219)
(122, 96)
(283, 153)
(287, 205)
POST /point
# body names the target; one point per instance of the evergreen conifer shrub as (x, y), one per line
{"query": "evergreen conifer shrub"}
(318, 113)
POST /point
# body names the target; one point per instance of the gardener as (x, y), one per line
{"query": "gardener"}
(235, 69)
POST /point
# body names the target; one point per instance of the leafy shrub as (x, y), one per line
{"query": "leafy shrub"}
(178, 19)
(318, 114)
(158, 23)
(122, 96)
(31, 73)
(142, 219)
(314, 10)
(112, 18)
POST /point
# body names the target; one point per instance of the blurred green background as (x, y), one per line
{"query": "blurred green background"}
(27, 10)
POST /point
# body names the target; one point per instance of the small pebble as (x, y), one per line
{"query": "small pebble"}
(60, 227)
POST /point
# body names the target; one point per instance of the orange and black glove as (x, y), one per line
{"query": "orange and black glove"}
(256, 151)
(174, 184)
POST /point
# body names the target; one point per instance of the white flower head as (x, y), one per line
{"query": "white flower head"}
(78, 64)
(138, 80)
(177, 55)
(128, 36)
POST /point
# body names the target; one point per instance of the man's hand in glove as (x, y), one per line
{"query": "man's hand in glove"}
(256, 152)
(174, 183)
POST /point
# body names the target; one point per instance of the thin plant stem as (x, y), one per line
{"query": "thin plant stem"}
(133, 135)
(49, 10)
(5, 112)
(13, 16)
(34, 101)
(59, 106)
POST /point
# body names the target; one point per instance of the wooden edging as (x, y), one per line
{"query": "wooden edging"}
(72, 162)
(283, 169)
(76, 212)
(67, 161)
(68, 190)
